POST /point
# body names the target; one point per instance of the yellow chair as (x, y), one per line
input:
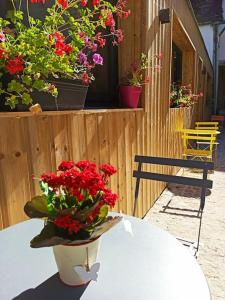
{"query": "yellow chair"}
(192, 138)
(206, 125)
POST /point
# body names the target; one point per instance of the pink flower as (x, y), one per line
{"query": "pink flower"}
(2, 37)
(97, 59)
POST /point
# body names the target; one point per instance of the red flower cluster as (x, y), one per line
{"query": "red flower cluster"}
(68, 223)
(85, 164)
(94, 2)
(74, 181)
(15, 66)
(66, 165)
(77, 186)
(61, 48)
(109, 197)
(121, 7)
(108, 169)
(63, 3)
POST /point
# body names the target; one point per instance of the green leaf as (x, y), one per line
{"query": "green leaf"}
(47, 237)
(39, 85)
(26, 98)
(37, 207)
(15, 86)
(12, 101)
(108, 224)
(27, 80)
(103, 211)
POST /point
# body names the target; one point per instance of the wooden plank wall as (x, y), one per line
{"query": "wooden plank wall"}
(40, 143)
(32, 145)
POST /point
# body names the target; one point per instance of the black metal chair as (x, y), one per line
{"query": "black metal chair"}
(204, 183)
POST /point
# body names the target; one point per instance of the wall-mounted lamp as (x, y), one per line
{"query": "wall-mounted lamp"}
(165, 16)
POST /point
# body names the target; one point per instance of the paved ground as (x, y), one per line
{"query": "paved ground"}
(176, 210)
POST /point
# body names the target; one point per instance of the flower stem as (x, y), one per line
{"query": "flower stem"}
(13, 4)
(28, 12)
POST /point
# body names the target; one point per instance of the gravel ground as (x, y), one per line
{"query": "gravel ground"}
(176, 211)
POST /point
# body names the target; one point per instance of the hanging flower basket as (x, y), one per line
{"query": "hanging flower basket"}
(62, 43)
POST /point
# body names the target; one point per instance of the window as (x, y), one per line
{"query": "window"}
(176, 76)
(103, 91)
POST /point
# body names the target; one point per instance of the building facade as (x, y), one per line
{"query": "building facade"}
(211, 18)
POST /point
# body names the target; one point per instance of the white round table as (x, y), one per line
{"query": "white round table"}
(149, 265)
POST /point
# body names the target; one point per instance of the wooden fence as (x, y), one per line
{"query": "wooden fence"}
(32, 145)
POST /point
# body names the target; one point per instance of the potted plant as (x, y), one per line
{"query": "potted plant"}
(74, 205)
(64, 43)
(131, 87)
(182, 96)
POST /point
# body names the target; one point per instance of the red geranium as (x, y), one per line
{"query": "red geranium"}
(95, 2)
(83, 3)
(15, 66)
(63, 3)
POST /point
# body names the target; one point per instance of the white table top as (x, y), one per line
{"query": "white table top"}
(149, 265)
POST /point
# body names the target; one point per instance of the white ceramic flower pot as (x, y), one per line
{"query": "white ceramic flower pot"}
(67, 257)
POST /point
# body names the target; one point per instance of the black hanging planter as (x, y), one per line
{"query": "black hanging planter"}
(71, 96)
(71, 93)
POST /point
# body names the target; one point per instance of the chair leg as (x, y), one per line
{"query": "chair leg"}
(199, 230)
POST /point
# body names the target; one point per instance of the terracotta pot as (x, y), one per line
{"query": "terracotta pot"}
(129, 96)
(67, 257)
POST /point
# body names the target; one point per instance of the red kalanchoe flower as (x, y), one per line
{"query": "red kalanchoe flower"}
(85, 164)
(66, 165)
(52, 180)
(68, 223)
(108, 169)
(15, 66)
(63, 3)
(109, 197)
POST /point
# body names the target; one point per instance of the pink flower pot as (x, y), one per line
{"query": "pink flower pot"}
(129, 96)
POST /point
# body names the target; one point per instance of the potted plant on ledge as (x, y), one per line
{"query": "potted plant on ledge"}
(182, 96)
(74, 205)
(131, 87)
(37, 53)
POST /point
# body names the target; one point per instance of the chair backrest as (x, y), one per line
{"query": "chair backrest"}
(207, 125)
(207, 136)
(204, 183)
